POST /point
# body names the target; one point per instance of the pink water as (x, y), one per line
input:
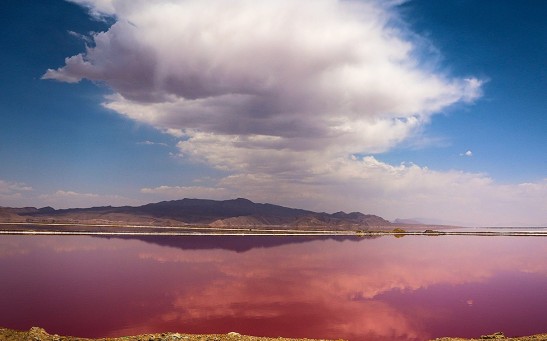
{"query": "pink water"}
(411, 288)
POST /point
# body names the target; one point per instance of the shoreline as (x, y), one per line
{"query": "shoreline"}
(39, 334)
(18, 228)
(496, 336)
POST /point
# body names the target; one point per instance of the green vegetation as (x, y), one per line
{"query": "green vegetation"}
(433, 233)
(398, 232)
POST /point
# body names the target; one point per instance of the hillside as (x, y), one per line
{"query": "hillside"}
(227, 213)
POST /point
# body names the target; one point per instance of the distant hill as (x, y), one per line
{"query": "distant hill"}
(407, 221)
(227, 213)
(432, 221)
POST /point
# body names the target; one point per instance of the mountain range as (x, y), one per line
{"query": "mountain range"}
(214, 213)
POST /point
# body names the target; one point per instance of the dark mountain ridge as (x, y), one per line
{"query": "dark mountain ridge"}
(218, 213)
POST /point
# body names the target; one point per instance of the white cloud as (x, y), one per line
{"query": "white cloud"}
(324, 72)
(97, 8)
(7, 187)
(14, 193)
(200, 192)
(82, 37)
(71, 199)
(467, 153)
(151, 143)
(371, 186)
(270, 88)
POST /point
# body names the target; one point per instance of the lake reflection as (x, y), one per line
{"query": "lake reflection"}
(411, 288)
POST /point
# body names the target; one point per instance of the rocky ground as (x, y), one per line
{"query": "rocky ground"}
(498, 336)
(39, 334)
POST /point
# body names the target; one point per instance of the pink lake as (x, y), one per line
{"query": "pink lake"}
(411, 288)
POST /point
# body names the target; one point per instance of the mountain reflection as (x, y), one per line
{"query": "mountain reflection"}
(398, 289)
(233, 243)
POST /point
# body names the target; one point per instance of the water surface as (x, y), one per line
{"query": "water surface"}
(411, 288)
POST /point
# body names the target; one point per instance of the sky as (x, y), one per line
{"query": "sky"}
(435, 111)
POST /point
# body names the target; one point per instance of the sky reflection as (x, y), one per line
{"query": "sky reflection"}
(413, 288)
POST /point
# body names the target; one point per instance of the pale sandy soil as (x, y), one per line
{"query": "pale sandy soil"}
(498, 336)
(39, 334)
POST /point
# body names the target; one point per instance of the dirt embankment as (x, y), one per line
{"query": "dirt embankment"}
(39, 334)
(498, 336)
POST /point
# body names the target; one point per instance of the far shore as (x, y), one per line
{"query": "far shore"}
(39, 334)
(68, 228)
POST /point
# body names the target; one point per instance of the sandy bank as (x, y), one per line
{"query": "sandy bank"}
(39, 334)
(498, 336)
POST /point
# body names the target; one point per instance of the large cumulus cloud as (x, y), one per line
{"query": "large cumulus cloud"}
(315, 74)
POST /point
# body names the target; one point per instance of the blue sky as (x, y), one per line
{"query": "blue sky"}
(504, 42)
(417, 109)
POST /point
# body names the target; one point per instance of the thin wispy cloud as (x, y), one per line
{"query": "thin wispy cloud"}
(151, 143)
(82, 37)
(468, 153)
(14, 192)
(99, 9)
(7, 187)
(72, 199)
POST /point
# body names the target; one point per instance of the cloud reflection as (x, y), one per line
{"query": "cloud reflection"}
(386, 288)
